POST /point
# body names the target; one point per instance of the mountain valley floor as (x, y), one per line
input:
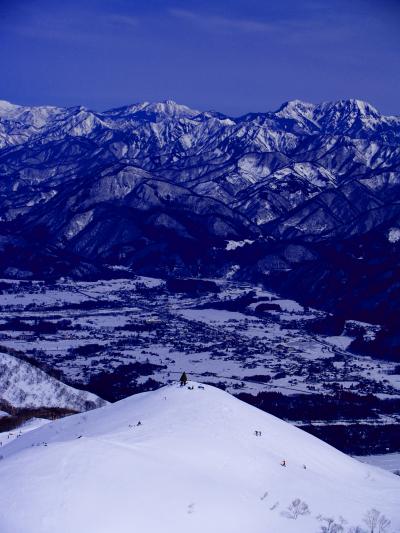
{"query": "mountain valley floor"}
(121, 336)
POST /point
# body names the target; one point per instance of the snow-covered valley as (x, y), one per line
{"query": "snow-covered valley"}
(117, 337)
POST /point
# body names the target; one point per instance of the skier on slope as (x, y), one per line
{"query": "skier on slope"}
(183, 379)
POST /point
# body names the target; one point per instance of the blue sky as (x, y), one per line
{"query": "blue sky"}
(234, 56)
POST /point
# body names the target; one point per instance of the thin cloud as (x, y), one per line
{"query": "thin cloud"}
(85, 29)
(123, 20)
(223, 23)
(310, 29)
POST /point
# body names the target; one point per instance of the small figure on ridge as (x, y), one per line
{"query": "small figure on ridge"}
(183, 379)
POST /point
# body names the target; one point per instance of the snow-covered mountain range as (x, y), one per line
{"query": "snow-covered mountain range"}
(312, 190)
(187, 459)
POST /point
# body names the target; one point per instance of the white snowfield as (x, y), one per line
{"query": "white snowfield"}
(24, 385)
(194, 464)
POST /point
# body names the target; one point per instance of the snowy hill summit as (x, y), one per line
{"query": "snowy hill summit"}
(187, 458)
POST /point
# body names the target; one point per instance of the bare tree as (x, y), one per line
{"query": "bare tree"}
(329, 525)
(383, 524)
(376, 522)
(296, 508)
(371, 520)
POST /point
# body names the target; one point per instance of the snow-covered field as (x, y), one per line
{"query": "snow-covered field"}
(174, 334)
(184, 459)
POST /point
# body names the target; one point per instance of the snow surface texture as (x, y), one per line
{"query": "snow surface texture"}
(23, 385)
(193, 464)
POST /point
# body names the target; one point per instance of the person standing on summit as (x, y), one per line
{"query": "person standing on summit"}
(183, 379)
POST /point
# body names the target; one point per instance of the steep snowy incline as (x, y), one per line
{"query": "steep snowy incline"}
(22, 385)
(193, 464)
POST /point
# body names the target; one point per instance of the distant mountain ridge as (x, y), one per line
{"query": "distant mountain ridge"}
(162, 188)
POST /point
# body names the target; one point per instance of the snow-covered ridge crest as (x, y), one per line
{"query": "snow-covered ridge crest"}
(172, 108)
(184, 459)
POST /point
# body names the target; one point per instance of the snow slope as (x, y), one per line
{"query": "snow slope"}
(193, 464)
(22, 385)
(8, 436)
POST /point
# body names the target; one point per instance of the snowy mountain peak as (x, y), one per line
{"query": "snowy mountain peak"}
(75, 110)
(344, 116)
(154, 111)
(301, 112)
(334, 117)
(348, 106)
(293, 107)
(364, 107)
(6, 107)
(183, 459)
(171, 109)
(34, 117)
